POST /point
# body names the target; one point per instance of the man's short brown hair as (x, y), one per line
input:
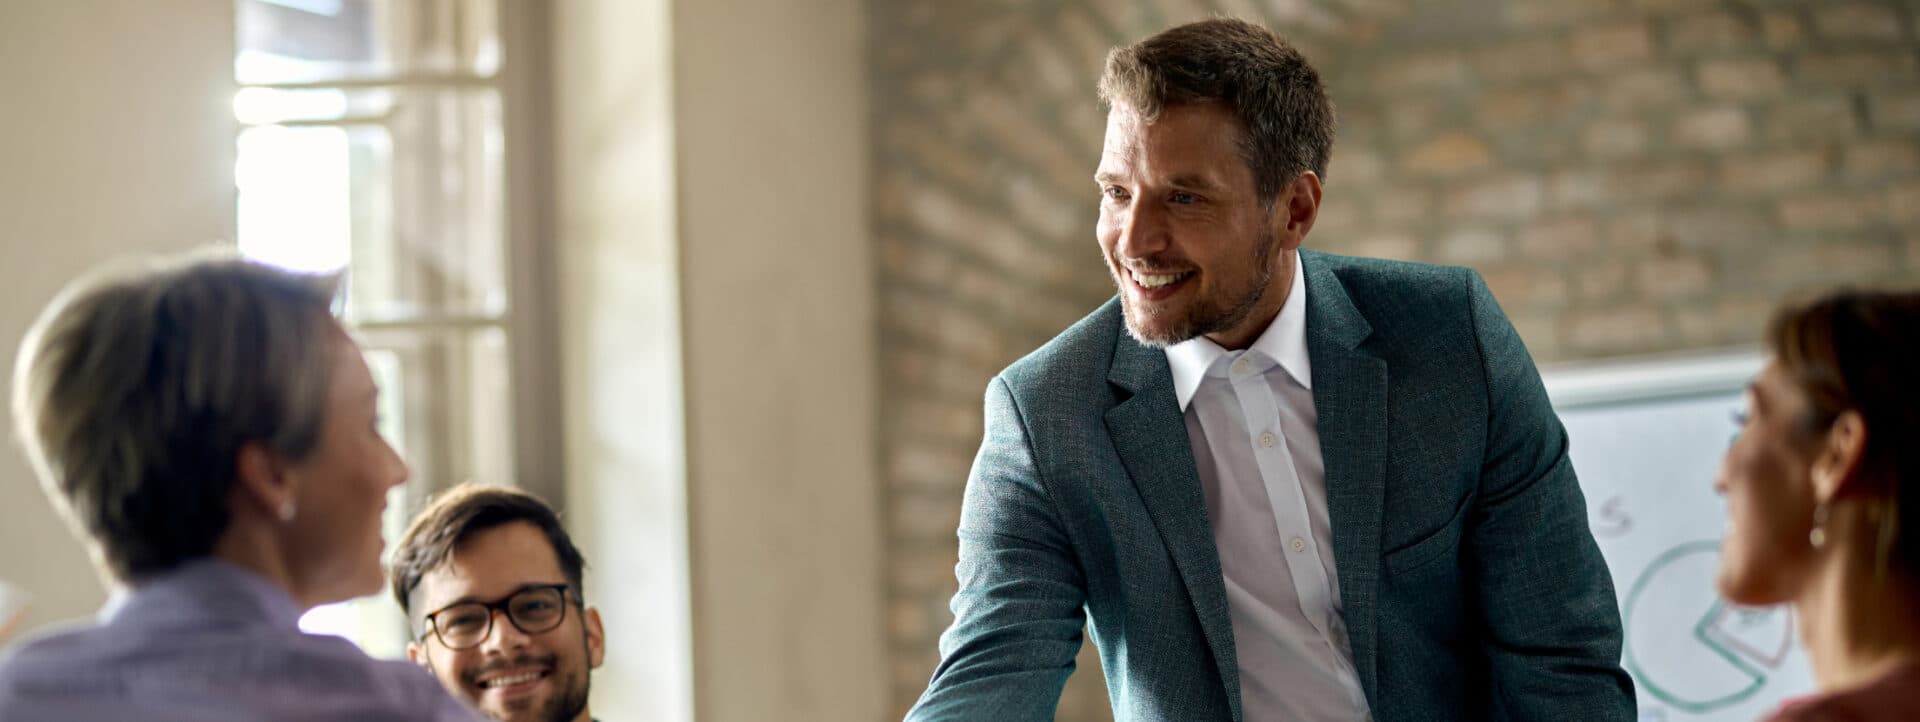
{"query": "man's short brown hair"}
(463, 511)
(1263, 79)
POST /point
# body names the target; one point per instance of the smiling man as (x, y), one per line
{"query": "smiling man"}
(1275, 484)
(491, 585)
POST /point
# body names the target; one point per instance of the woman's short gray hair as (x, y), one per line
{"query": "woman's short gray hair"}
(139, 384)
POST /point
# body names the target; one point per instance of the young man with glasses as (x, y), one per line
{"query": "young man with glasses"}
(491, 585)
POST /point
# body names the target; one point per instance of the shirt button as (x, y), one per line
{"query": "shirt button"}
(1268, 439)
(1298, 544)
(1240, 367)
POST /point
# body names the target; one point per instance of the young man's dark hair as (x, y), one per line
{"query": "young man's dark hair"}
(457, 514)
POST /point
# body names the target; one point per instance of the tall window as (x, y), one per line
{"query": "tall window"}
(372, 141)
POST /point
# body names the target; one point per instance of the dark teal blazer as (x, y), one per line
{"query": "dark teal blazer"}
(1472, 587)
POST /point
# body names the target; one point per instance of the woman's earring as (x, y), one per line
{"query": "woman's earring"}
(287, 511)
(1818, 537)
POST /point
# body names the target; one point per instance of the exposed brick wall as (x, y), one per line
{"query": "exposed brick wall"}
(1630, 176)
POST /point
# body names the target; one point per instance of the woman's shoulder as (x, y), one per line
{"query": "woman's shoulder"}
(1895, 696)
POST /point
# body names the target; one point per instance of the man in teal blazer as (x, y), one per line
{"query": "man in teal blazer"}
(1275, 484)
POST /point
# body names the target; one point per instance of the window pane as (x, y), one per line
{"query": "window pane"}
(298, 41)
(450, 389)
(407, 189)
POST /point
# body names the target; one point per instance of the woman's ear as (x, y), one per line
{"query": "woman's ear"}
(1836, 463)
(262, 483)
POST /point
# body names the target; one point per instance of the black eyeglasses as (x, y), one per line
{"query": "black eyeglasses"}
(531, 610)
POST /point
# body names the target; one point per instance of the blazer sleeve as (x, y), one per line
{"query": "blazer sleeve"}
(1018, 615)
(1552, 622)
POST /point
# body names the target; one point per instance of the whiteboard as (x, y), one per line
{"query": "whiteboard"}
(1647, 437)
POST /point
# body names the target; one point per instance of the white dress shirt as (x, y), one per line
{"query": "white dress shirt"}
(1256, 440)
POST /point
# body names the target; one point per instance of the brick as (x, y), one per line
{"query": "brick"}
(924, 568)
(1894, 112)
(1903, 203)
(1716, 128)
(1522, 60)
(1355, 165)
(1615, 138)
(1612, 46)
(916, 143)
(1600, 281)
(920, 465)
(1878, 160)
(1773, 171)
(1414, 118)
(1644, 89)
(1858, 68)
(1810, 118)
(1856, 21)
(915, 263)
(1559, 240)
(1782, 30)
(920, 514)
(908, 619)
(1849, 261)
(1537, 15)
(1831, 211)
(1339, 214)
(1447, 154)
(1080, 30)
(1531, 107)
(1675, 277)
(1728, 322)
(1616, 331)
(1433, 70)
(1717, 32)
(1670, 7)
(1741, 79)
(1511, 197)
(1470, 246)
(1055, 217)
(1714, 227)
(1639, 233)
(1539, 330)
(1526, 287)
(1394, 205)
(1393, 244)
(1659, 180)
(1579, 189)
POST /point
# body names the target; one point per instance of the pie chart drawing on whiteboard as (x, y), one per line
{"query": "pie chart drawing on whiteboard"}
(1691, 649)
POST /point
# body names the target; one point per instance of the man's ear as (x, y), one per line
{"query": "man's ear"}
(1295, 208)
(596, 637)
(1837, 462)
(418, 655)
(261, 481)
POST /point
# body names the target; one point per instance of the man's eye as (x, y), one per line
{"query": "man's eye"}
(1114, 193)
(1183, 198)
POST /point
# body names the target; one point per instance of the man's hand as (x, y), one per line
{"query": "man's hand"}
(13, 608)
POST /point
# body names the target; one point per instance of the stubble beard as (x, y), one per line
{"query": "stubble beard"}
(1203, 316)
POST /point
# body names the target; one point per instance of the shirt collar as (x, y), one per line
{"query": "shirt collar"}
(1284, 341)
(204, 589)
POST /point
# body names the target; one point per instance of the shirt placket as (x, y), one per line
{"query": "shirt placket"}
(1260, 415)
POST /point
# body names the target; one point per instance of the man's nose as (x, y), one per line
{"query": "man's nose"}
(1143, 232)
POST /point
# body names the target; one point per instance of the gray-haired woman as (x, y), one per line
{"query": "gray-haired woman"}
(210, 430)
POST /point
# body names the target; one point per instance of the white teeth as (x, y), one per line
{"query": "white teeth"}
(1156, 280)
(510, 681)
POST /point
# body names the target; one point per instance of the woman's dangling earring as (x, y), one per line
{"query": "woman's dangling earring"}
(1818, 537)
(287, 510)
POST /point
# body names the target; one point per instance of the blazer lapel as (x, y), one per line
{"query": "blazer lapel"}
(1151, 436)
(1350, 397)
